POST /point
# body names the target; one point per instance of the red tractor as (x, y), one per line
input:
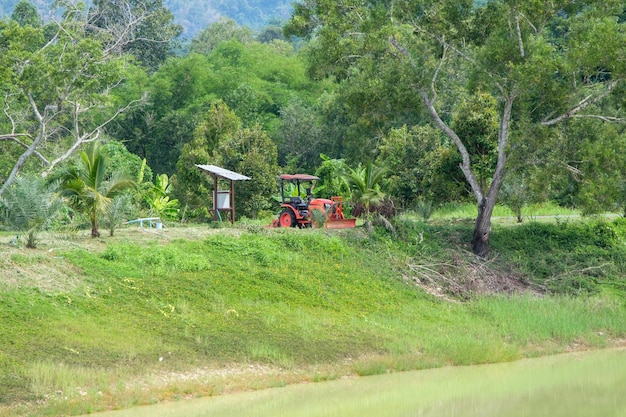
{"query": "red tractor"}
(302, 212)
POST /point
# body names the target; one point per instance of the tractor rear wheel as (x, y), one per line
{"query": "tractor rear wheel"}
(287, 219)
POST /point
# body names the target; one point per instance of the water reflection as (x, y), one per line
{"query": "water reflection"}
(574, 385)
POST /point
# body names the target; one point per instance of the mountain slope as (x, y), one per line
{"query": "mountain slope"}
(195, 15)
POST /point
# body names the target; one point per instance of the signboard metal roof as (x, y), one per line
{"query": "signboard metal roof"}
(301, 177)
(222, 172)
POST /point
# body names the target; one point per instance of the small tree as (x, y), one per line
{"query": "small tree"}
(117, 212)
(29, 206)
(158, 199)
(87, 187)
(515, 195)
(364, 184)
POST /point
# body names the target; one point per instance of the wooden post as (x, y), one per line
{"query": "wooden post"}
(215, 207)
(232, 201)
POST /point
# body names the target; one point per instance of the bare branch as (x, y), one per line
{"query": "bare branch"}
(14, 138)
(433, 82)
(609, 119)
(519, 34)
(87, 136)
(466, 165)
(582, 105)
(30, 150)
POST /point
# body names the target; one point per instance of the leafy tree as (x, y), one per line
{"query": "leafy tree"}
(251, 152)
(272, 32)
(222, 140)
(515, 194)
(257, 81)
(25, 13)
(423, 166)
(330, 174)
(476, 121)
(193, 187)
(544, 61)
(158, 199)
(300, 136)
(595, 172)
(55, 83)
(88, 188)
(143, 28)
(30, 205)
(223, 30)
(176, 100)
(117, 211)
(364, 183)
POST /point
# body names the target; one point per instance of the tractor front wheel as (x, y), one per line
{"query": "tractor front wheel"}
(287, 219)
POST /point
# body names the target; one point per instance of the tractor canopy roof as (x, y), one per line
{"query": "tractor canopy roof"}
(298, 177)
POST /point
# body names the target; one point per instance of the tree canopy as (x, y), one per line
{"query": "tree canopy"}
(546, 63)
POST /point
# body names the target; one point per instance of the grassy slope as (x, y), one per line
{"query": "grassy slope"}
(138, 318)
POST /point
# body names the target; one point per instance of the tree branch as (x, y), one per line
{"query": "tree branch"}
(582, 105)
(466, 165)
(31, 149)
(14, 138)
(519, 34)
(87, 136)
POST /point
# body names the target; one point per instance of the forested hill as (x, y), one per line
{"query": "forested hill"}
(195, 15)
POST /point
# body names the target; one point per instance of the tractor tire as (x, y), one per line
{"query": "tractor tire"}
(287, 219)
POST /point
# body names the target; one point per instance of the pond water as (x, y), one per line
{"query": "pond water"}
(574, 385)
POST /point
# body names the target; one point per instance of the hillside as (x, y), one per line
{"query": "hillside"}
(195, 15)
(141, 317)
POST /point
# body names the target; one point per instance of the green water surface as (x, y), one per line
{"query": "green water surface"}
(574, 385)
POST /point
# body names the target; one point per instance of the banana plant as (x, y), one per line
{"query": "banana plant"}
(159, 201)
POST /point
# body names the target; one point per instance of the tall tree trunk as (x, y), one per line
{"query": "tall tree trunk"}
(482, 228)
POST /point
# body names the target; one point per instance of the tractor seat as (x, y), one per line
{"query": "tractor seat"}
(295, 200)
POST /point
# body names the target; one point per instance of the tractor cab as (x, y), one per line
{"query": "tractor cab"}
(298, 211)
(295, 208)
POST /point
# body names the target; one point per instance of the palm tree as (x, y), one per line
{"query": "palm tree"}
(89, 189)
(29, 206)
(364, 183)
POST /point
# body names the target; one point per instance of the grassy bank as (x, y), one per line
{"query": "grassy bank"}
(115, 322)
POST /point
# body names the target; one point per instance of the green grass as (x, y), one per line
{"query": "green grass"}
(470, 211)
(304, 305)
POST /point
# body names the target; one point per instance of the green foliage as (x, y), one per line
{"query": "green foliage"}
(290, 299)
(257, 81)
(57, 81)
(252, 153)
(421, 165)
(159, 201)
(222, 140)
(29, 206)
(476, 122)
(364, 183)
(117, 212)
(120, 160)
(25, 13)
(144, 29)
(330, 174)
(223, 30)
(515, 194)
(301, 137)
(192, 186)
(88, 188)
(475, 70)
(566, 257)
(425, 208)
